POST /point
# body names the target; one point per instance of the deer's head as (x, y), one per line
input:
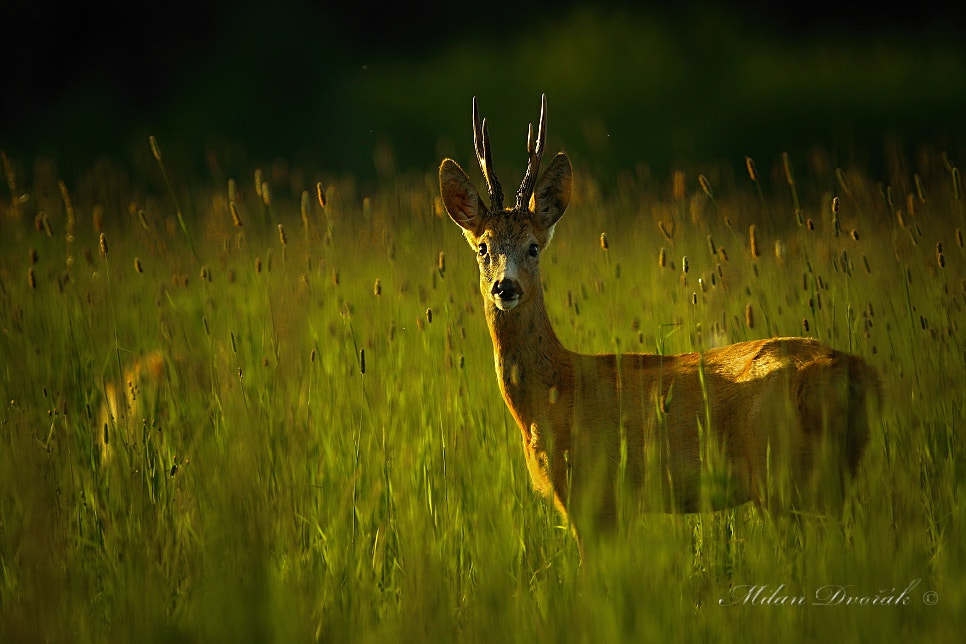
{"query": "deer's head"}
(508, 241)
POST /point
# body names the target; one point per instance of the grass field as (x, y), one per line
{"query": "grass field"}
(325, 454)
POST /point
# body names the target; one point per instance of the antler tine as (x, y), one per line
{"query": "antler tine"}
(481, 141)
(535, 151)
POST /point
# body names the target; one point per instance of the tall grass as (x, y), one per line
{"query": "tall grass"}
(327, 459)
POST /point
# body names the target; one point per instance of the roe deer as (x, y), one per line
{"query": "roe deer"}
(654, 430)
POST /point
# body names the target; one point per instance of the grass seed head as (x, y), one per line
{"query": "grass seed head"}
(603, 241)
(235, 218)
(843, 182)
(102, 245)
(677, 184)
(668, 233)
(787, 164)
(68, 205)
(706, 186)
(304, 209)
(155, 148)
(281, 235)
(97, 217)
(137, 266)
(753, 241)
(42, 223)
(780, 250)
(320, 194)
(9, 173)
(844, 263)
(752, 170)
(662, 258)
(749, 316)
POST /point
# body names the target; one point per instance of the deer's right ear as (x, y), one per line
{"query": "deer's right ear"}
(552, 194)
(460, 198)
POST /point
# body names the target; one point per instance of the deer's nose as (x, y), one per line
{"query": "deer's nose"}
(506, 289)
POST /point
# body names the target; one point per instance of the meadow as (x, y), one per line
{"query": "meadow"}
(325, 454)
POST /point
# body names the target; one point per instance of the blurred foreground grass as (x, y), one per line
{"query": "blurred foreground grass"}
(326, 454)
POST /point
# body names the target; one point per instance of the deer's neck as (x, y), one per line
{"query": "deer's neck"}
(532, 366)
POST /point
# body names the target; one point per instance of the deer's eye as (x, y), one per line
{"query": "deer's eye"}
(534, 250)
(482, 250)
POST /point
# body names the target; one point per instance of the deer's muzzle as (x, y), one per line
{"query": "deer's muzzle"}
(506, 293)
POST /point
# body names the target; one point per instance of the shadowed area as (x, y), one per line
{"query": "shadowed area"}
(371, 88)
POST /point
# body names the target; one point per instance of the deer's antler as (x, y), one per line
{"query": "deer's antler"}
(535, 150)
(481, 141)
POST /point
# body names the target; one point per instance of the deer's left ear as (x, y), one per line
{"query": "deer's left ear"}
(460, 197)
(552, 194)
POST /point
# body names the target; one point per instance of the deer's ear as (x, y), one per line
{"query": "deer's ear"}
(460, 197)
(552, 194)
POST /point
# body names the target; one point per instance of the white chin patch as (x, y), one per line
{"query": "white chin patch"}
(506, 304)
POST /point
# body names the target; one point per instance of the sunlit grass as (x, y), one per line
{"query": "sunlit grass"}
(323, 458)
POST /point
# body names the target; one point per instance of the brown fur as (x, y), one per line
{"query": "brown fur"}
(775, 421)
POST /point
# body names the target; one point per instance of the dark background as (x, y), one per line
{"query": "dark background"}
(366, 88)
